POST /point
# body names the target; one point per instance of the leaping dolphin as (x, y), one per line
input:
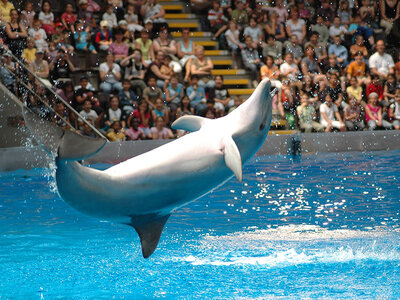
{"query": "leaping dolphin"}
(143, 191)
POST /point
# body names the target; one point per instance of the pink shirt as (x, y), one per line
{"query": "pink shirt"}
(119, 49)
(374, 112)
(162, 135)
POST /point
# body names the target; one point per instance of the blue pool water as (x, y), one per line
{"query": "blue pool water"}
(320, 226)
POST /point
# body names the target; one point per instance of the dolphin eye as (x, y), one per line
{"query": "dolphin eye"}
(262, 126)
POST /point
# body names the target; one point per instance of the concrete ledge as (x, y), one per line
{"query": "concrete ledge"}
(27, 158)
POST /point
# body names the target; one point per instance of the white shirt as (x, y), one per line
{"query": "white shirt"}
(382, 63)
(91, 115)
(285, 67)
(111, 19)
(330, 112)
(109, 77)
(255, 33)
(46, 19)
(297, 28)
(334, 31)
(396, 107)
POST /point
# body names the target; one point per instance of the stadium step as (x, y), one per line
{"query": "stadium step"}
(179, 16)
(216, 52)
(228, 72)
(279, 132)
(178, 34)
(241, 91)
(206, 43)
(191, 25)
(173, 7)
(237, 81)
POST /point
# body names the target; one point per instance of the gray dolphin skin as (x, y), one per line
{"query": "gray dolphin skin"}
(143, 191)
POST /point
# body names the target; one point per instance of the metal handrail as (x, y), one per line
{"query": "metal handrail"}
(55, 94)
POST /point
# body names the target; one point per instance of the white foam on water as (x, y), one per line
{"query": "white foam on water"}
(292, 257)
(296, 245)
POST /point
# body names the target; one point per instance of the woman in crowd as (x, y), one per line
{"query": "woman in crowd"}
(15, 34)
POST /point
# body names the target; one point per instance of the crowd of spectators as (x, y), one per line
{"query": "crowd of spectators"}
(326, 59)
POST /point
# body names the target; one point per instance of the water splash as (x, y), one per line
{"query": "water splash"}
(295, 245)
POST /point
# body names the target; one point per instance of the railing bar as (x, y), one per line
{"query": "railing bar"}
(57, 96)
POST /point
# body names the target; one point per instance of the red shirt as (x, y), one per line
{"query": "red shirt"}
(70, 19)
(137, 115)
(371, 88)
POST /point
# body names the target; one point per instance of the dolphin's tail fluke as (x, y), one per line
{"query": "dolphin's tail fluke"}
(67, 144)
(149, 229)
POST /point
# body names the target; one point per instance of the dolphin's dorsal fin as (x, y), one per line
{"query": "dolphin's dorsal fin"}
(149, 232)
(189, 123)
(232, 156)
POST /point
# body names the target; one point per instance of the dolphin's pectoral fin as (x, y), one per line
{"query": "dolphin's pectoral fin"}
(149, 232)
(232, 157)
(189, 123)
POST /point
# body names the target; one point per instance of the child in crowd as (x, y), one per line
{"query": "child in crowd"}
(352, 115)
(271, 71)
(82, 38)
(354, 91)
(165, 68)
(134, 132)
(337, 29)
(52, 53)
(152, 92)
(236, 103)
(29, 53)
(160, 132)
(68, 18)
(160, 110)
(255, 33)
(394, 111)
(357, 27)
(47, 18)
(286, 105)
(132, 18)
(85, 14)
(197, 96)
(322, 29)
(289, 69)
(358, 69)
(174, 91)
(127, 97)
(373, 113)
(307, 115)
(344, 12)
(220, 95)
(117, 133)
(358, 46)
(103, 37)
(234, 44)
(87, 113)
(330, 117)
(61, 117)
(28, 14)
(114, 113)
(295, 49)
(210, 111)
(375, 86)
(110, 17)
(389, 89)
(143, 114)
(39, 35)
(185, 108)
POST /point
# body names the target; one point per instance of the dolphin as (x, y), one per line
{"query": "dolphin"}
(144, 190)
